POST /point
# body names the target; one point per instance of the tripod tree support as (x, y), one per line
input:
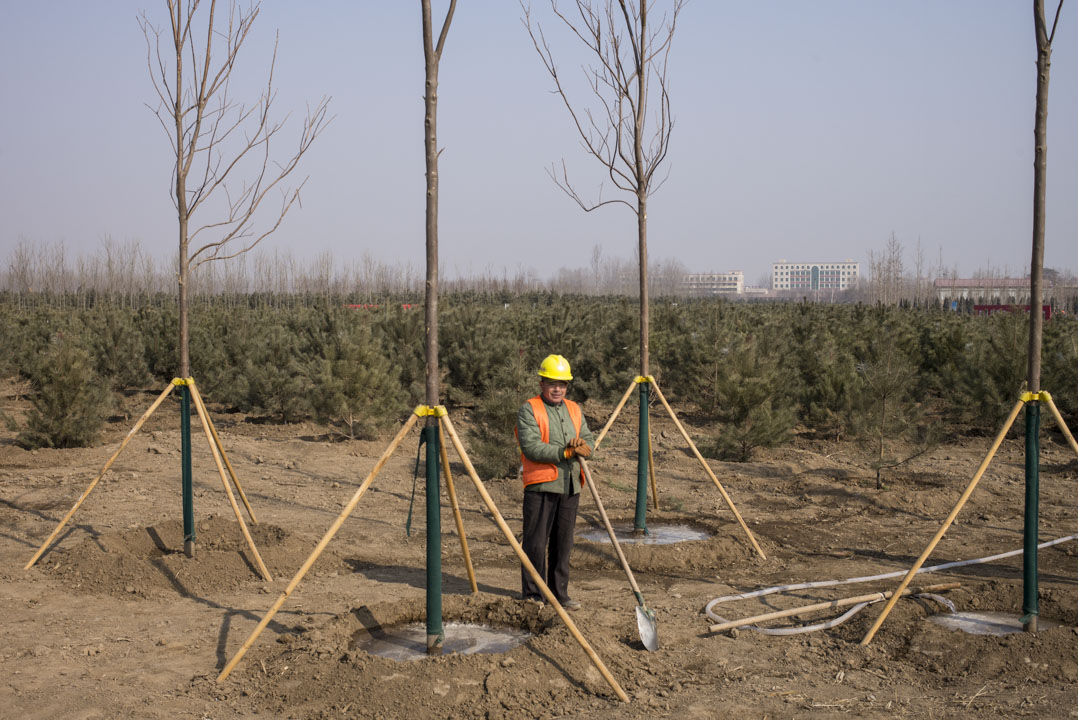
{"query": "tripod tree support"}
(86, 493)
(203, 416)
(456, 510)
(707, 469)
(673, 416)
(547, 594)
(946, 523)
(397, 440)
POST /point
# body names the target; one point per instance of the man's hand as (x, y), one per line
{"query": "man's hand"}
(578, 447)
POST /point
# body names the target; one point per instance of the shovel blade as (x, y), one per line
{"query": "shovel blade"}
(645, 625)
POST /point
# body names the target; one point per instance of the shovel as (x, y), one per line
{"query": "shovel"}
(645, 618)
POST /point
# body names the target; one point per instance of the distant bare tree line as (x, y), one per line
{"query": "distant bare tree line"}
(125, 274)
(891, 279)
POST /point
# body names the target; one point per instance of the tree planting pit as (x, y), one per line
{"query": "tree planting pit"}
(405, 643)
(657, 535)
(987, 623)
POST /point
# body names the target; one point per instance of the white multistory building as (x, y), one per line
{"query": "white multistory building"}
(797, 276)
(706, 284)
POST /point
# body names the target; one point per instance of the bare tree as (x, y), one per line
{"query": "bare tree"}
(628, 126)
(1044, 38)
(222, 145)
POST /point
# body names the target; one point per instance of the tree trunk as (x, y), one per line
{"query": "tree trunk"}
(430, 138)
(641, 185)
(1040, 150)
(642, 231)
(182, 163)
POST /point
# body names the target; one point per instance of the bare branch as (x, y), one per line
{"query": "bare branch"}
(216, 139)
(624, 50)
(445, 28)
(1055, 22)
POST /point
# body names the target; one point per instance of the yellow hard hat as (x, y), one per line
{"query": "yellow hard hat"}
(555, 367)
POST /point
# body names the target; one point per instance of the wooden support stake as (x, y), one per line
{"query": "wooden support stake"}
(456, 510)
(614, 415)
(707, 469)
(1060, 422)
(86, 493)
(203, 416)
(946, 523)
(231, 472)
(527, 563)
(319, 548)
(829, 605)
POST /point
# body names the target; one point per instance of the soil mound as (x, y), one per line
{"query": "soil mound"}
(150, 562)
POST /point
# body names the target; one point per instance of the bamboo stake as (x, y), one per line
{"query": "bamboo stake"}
(202, 414)
(707, 469)
(228, 464)
(456, 511)
(86, 493)
(1060, 421)
(528, 565)
(614, 415)
(319, 548)
(946, 523)
(829, 605)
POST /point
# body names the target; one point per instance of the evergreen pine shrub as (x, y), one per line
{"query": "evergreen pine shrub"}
(473, 342)
(159, 326)
(401, 331)
(495, 450)
(753, 405)
(355, 388)
(887, 414)
(277, 374)
(994, 370)
(70, 404)
(602, 343)
(116, 344)
(1059, 360)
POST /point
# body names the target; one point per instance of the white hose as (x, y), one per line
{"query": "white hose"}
(856, 608)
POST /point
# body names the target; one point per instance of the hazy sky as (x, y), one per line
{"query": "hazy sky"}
(804, 131)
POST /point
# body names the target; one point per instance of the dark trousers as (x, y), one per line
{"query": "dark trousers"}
(549, 521)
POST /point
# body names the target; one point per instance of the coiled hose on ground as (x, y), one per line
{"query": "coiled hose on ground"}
(856, 608)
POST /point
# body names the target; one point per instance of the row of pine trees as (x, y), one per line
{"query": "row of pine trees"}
(898, 379)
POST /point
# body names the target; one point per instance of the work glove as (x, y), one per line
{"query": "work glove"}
(578, 448)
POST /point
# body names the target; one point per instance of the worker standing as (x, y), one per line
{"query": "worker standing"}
(552, 433)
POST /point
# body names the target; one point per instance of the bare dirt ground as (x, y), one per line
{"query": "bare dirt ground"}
(115, 621)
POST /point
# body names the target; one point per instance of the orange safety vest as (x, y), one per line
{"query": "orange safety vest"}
(536, 472)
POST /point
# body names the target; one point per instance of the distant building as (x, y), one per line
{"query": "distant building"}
(709, 284)
(814, 275)
(750, 291)
(987, 289)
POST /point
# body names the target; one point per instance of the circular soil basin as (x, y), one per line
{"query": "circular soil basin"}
(409, 642)
(657, 535)
(986, 623)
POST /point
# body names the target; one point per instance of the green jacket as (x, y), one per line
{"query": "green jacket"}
(561, 431)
